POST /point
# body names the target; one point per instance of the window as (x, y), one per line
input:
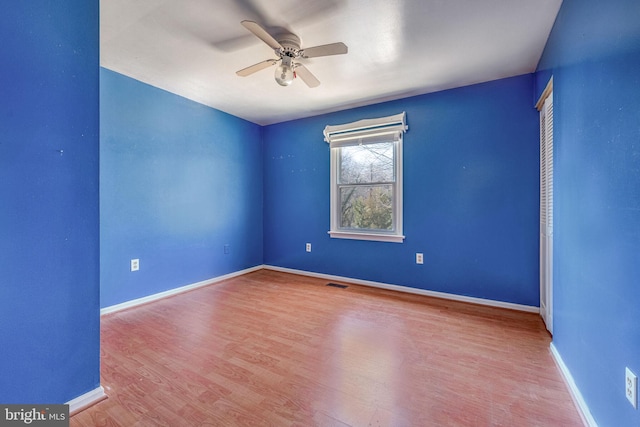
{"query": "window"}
(366, 179)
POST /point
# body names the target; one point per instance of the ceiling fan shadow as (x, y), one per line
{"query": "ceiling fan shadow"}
(301, 13)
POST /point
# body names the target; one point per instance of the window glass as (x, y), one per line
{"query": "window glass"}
(367, 163)
(367, 207)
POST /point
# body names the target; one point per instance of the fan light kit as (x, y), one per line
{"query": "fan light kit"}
(284, 72)
(287, 48)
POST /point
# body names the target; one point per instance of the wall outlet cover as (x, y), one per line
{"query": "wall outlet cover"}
(135, 264)
(631, 387)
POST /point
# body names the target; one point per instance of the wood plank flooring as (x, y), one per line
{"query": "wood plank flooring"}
(276, 349)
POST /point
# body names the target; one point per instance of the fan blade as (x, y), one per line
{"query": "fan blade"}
(256, 67)
(306, 76)
(324, 50)
(262, 34)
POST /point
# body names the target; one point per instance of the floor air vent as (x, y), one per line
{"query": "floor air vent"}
(335, 285)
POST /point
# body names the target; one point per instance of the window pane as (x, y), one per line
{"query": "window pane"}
(367, 163)
(367, 207)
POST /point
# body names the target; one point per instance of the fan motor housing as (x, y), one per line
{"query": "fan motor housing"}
(290, 43)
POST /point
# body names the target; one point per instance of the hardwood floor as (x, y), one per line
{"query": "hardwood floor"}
(270, 348)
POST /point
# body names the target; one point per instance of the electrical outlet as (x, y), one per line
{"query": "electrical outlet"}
(419, 258)
(135, 264)
(227, 249)
(631, 387)
(308, 247)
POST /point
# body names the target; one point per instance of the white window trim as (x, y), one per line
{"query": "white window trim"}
(349, 134)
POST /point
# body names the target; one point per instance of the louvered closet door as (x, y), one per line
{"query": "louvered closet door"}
(546, 212)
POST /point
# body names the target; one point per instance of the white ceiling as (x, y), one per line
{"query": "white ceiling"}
(397, 48)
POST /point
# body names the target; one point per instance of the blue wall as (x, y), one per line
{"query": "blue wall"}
(594, 55)
(49, 212)
(470, 195)
(178, 182)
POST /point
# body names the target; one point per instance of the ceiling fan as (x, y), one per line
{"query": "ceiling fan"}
(286, 46)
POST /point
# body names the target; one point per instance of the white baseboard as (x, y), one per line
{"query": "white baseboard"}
(435, 294)
(170, 292)
(583, 409)
(84, 401)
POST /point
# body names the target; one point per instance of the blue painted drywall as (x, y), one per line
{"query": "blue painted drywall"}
(594, 55)
(178, 182)
(470, 195)
(49, 212)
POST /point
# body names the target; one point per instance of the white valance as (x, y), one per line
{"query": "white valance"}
(367, 131)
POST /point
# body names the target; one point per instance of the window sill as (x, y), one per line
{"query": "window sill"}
(366, 236)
